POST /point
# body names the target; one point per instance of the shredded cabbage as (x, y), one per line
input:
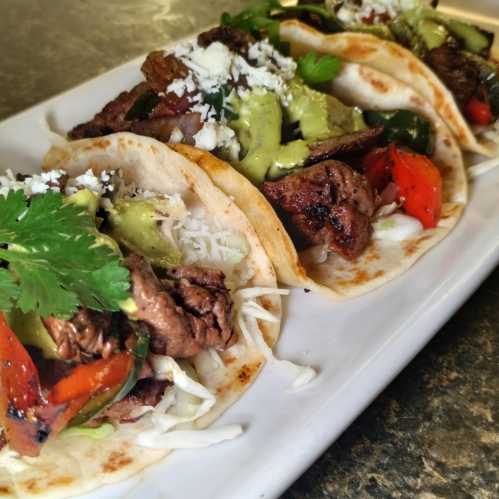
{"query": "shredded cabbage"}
(247, 313)
(201, 243)
(397, 227)
(185, 402)
(191, 439)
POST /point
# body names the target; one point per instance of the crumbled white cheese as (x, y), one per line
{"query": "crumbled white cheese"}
(214, 135)
(88, 180)
(180, 86)
(214, 67)
(353, 11)
(34, 184)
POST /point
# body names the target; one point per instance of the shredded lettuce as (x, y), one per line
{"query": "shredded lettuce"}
(248, 311)
(185, 402)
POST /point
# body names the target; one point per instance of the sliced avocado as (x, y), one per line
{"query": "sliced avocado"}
(86, 199)
(433, 34)
(475, 40)
(321, 115)
(258, 129)
(30, 330)
(134, 223)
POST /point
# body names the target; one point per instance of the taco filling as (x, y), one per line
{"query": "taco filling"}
(329, 170)
(112, 296)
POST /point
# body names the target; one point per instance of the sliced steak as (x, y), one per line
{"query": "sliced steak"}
(183, 318)
(160, 70)
(161, 128)
(236, 40)
(145, 392)
(83, 337)
(459, 74)
(328, 203)
(200, 276)
(112, 118)
(350, 143)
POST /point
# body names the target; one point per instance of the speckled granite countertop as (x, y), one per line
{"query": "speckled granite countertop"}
(434, 432)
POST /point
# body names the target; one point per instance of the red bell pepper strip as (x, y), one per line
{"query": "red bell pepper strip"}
(25, 416)
(20, 392)
(377, 168)
(420, 185)
(90, 378)
(479, 112)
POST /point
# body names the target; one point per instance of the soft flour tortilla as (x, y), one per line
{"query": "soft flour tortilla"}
(383, 260)
(68, 465)
(394, 60)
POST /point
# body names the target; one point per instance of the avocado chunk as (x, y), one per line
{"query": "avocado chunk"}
(475, 40)
(84, 198)
(134, 223)
(258, 129)
(321, 115)
(433, 34)
(30, 330)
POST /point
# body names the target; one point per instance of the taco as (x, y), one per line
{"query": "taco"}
(448, 62)
(321, 189)
(137, 301)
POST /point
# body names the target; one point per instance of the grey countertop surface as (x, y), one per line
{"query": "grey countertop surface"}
(434, 432)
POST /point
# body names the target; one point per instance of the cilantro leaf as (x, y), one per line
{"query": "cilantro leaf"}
(220, 103)
(9, 290)
(316, 70)
(54, 259)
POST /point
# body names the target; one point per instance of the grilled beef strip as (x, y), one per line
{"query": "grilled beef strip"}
(84, 336)
(184, 318)
(350, 143)
(161, 128)
(147, 101)
(237, 40)
(160, 70)
(459, 74)
(147, 392)
(327, 203)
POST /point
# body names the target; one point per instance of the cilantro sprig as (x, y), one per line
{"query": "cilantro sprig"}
(54, 262)
(315, 69)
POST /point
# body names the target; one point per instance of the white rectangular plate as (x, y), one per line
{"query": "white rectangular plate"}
(358, 346)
